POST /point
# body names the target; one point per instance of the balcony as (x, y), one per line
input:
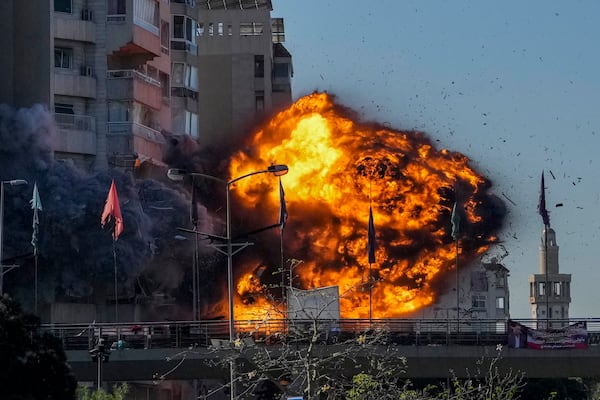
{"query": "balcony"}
(127, 84)
(137, 33)
(78, 85)
(81, 29)
(76, 133)
(131, 137)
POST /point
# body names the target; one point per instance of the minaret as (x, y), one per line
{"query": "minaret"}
(550, 291)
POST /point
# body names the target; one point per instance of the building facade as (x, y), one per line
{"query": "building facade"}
(479, 292)
(120, 76)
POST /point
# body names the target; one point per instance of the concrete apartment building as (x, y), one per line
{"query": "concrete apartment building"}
(121, 76)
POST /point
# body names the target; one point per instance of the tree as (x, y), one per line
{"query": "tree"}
(34, 365)
(119, 392)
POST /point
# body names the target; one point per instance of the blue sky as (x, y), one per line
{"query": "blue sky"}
(513, 85)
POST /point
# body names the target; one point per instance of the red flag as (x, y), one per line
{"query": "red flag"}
(112, 208)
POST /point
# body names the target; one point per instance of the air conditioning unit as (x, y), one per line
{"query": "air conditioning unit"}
(87, 15)
(87, 70)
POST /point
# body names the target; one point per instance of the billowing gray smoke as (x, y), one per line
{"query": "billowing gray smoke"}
(75, 256)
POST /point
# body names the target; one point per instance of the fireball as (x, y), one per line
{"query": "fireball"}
(339, 169)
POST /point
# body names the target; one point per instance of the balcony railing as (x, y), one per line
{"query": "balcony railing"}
(131, 73)
(75, 122)
(125, 128)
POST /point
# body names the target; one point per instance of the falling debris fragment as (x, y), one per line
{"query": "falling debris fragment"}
(559, 204)
(507, 198)
(553, 177)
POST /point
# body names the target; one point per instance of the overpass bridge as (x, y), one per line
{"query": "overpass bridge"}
(187, 350)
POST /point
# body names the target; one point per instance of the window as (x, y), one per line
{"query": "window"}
(147, 14)
(164, 36)
(200, 29)
(251, 29)
(164, 85)
(229, 30)
(259, 66)
(220, 28)
(500, 280)
(63, 108)
(281, 70)
(119, 111)
(191, 124)
(178, 23)
(479, 281)
(260, 100)
(211, 29)
(557, 288)
(277, 30)
(185, 28)
(117, 7)
(541, 288)
(500, 303)
(183, 75)
(478, 302)
(63, 6)
(63, 58)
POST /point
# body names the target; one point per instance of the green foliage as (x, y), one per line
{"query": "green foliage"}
(34, 365)
(488, 384)
(119, 393)
(565, 388)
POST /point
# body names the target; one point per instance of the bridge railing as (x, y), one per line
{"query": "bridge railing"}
(182, 334)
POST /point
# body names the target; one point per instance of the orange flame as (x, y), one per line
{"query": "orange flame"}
(338, 167)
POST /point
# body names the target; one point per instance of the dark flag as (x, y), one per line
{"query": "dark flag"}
(36, 206)
(113, 209)
(455, 219)
(542, 204)
(371, 244)
(283, 214)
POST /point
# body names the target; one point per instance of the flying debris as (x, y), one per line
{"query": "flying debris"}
(337, 164)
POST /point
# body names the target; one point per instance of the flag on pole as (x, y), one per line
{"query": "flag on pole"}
(455, 222)
(113, 209)
(36, 206)
(371, 242)
(542, 204)
(283, 214)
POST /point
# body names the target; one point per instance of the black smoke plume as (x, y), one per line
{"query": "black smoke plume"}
(75, 261)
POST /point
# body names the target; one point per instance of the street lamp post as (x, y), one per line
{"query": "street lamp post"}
(5, 268)
(178, 175)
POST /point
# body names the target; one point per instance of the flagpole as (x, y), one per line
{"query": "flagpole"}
(35, 307)
(283, 215)
(370, 264)
(547, 291)
(457, 289)
(455, 220)
(113, 209)
(115, 265)
(546, 219)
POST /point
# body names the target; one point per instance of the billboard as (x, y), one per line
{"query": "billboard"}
(573, 336)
